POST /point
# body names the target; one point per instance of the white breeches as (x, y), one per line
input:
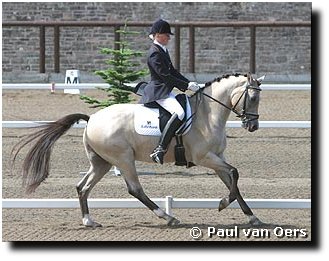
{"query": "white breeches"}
(172, 106)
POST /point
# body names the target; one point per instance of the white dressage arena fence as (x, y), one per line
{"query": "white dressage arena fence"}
(87, 86)
(81, 86)
(168, 203)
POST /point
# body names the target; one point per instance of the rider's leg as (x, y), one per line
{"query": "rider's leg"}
(173, 106)
(166, 136)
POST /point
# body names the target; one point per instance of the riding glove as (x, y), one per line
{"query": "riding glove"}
(193, 86)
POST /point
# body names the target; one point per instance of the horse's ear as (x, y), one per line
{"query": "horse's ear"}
(260, 79)
(249, 77)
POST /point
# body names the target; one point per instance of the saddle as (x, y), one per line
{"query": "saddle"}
(150, 119)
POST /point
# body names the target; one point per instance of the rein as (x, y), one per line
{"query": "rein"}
(224, 105)
(243, 115)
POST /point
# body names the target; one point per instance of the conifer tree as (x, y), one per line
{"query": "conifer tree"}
(121, 72)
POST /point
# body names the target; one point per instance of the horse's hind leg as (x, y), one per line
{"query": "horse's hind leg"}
(135, 189)
(98, 168)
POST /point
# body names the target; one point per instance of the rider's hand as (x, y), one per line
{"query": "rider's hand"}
(193, 86)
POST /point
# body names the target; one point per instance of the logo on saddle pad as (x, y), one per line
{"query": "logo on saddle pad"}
(149, 125)
(146, 120)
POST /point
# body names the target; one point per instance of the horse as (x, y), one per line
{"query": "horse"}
(110, 140)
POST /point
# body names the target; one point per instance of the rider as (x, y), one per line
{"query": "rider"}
(164, 77)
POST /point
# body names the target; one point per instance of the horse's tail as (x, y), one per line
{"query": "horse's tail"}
(36, 163)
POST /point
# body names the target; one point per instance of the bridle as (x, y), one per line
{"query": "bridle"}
(243, 115)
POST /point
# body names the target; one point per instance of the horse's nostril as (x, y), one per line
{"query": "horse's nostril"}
(253, 127)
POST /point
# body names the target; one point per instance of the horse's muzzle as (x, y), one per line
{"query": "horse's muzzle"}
(251, 125)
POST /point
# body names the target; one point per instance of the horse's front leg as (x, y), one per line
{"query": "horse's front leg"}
(229, 175)
(235, 194)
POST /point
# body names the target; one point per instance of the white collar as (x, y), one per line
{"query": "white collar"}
(162, 46)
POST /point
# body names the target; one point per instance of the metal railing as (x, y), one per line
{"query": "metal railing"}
(176, 25)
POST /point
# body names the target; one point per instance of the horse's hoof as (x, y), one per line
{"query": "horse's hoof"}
(254, 221)
(222, 204)
(92, 224)
(89, 222)
(97, 225)
(173, 222)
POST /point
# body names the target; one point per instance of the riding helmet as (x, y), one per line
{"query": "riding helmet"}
(161, 27)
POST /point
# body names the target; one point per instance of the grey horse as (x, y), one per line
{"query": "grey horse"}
(111, 140)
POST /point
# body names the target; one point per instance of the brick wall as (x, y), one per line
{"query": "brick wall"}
(218, 50)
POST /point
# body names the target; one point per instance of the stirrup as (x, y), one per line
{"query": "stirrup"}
(158, 154)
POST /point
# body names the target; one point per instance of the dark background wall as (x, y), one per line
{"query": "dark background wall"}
(279, 51)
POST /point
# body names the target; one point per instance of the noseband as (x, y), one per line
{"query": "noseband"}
(243, 115)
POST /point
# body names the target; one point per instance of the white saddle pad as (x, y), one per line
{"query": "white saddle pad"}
(146, 120)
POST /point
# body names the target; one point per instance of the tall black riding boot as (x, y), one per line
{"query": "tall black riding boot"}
(168, 133)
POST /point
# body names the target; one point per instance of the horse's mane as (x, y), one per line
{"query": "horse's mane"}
(218, 79)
